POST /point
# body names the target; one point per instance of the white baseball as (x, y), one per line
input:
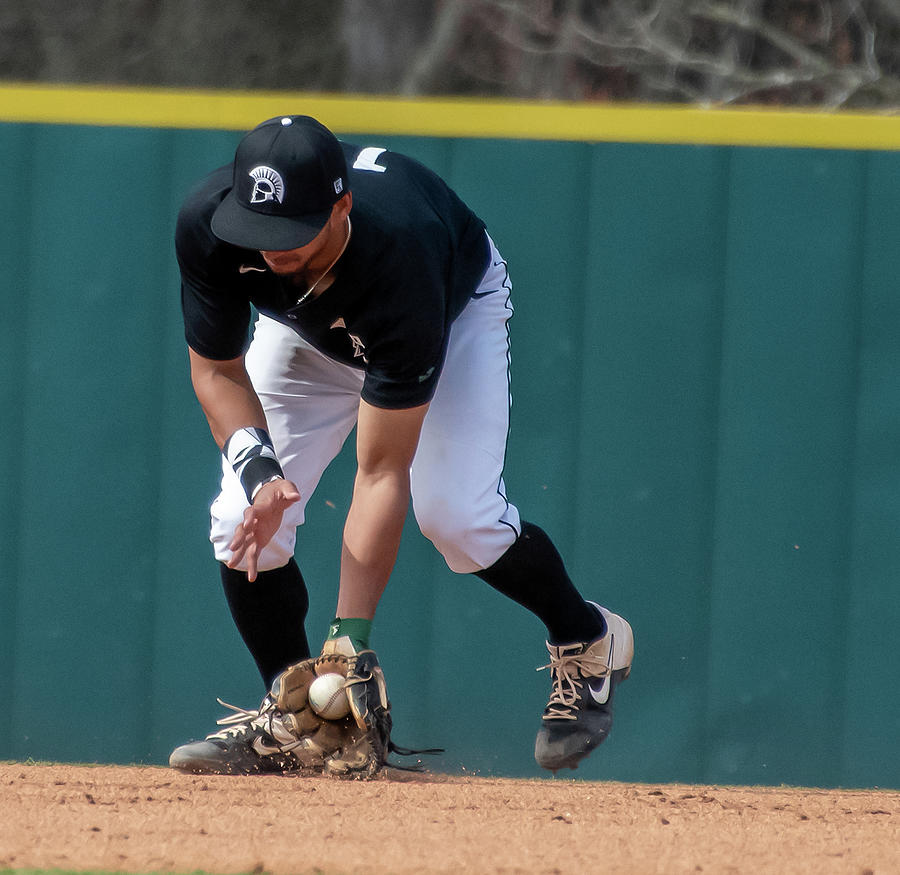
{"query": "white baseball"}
(327, 696)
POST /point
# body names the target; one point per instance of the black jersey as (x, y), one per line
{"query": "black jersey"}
(416, 253)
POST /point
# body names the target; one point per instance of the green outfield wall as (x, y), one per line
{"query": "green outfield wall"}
(706, 382)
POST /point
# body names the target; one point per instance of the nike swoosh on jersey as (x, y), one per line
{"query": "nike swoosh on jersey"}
(484, 294)
(247, 268)
(601, 695)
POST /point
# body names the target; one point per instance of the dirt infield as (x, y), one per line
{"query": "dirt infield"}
(152, 819)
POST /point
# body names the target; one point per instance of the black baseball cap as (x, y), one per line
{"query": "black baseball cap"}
(288, 173)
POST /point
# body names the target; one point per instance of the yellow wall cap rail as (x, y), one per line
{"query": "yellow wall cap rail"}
(451, 117)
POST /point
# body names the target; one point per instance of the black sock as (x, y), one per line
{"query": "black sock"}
(269, 613)
(532, 573)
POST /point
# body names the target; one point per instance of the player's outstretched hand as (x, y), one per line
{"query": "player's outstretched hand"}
(261, 521)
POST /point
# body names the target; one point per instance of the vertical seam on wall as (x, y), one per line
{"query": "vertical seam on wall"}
(15, 419)
(850, 509)
(576, 479)
(712, 514)
(580, 306)
(160, 400)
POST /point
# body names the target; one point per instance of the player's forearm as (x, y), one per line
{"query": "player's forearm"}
(227, 397)
(371, 540)
(228, 407)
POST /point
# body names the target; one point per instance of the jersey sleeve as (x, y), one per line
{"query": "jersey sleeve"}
(216, 314)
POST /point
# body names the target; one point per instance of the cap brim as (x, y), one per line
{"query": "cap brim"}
(249, 229)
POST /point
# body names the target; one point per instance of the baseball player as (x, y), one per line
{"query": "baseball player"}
(382, 304)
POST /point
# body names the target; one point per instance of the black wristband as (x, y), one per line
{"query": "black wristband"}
(257, 472)
(251, 454)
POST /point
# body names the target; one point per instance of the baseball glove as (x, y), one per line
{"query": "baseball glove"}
(355, 746)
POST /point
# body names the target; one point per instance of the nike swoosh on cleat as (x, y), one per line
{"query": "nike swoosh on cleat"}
(264, 749)
(247, 268)
(601, 695)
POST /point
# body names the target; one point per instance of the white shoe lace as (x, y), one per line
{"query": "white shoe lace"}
(237, 723)
(567, 668)
(263, 729)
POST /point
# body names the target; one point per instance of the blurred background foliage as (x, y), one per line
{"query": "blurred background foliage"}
(823, 53)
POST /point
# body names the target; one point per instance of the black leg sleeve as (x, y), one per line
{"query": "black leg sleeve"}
(270, 613)
(532, 573)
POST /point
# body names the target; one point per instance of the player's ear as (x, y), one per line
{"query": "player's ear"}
(343, 205)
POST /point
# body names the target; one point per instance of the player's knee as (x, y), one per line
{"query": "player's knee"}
(467, 540)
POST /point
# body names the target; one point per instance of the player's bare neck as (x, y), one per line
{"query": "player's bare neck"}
(321, 281)
(304, 280)
(324, 283)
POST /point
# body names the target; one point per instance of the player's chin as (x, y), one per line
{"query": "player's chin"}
(285, 267)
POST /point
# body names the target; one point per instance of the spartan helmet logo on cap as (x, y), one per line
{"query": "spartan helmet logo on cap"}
(267, 186)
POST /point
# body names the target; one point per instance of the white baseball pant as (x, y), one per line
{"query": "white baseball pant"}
(311, 404)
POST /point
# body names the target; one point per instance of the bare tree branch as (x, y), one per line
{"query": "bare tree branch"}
(828, 53)
(432, 56)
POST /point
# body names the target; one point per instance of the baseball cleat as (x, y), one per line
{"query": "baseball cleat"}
(251, 742)
(578, 716)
